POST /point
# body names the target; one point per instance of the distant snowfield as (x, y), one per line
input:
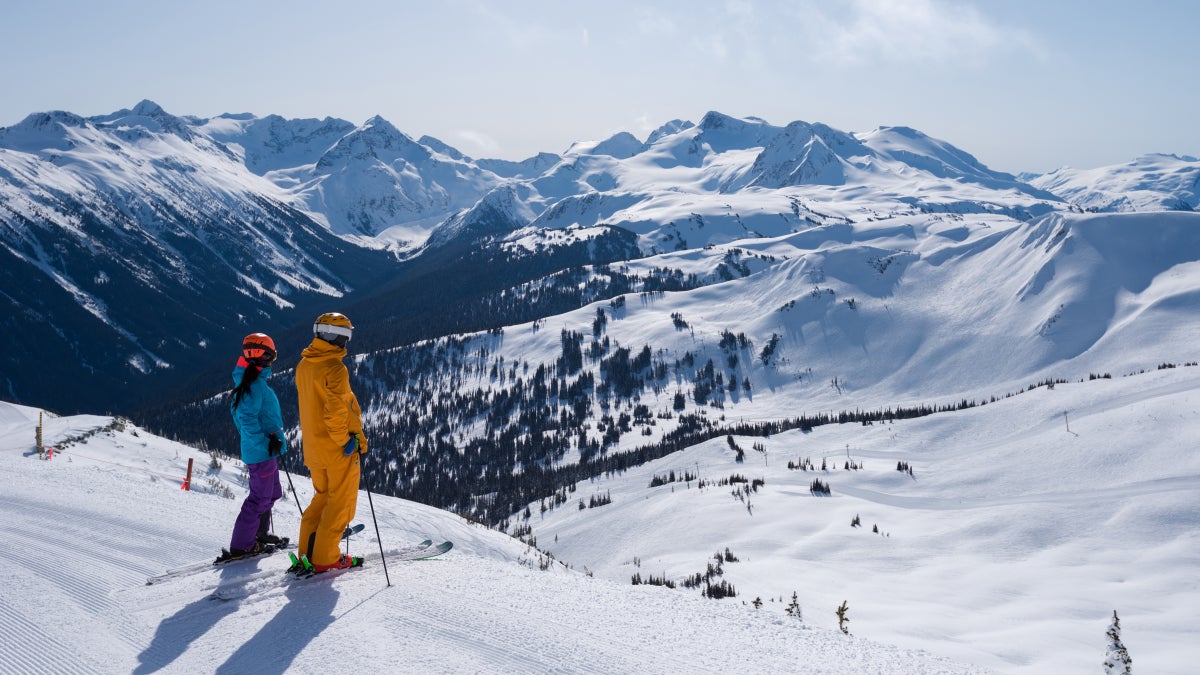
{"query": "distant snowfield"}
(85, 530)
(1026, 522)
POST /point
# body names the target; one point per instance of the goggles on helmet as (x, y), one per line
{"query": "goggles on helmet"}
(338, 335)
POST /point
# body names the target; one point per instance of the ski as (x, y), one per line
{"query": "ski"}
(415, 547)
(413, 552)
(267, 549)
(302, 569)
(263, 549)
(194, 568)
(424, 552)
(260, 583)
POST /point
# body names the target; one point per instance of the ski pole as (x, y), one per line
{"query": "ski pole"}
(373, 520)
(291, 487)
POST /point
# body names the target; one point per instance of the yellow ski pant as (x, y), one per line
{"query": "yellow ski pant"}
(330, 511)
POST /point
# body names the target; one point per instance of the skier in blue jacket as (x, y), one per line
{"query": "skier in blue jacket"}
(259, 422)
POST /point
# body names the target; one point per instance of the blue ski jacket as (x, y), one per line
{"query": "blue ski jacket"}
(257, 417)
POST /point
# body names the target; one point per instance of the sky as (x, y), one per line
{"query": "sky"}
(1023, 85)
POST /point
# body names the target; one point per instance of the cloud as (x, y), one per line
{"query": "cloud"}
(909, 31)
(477, 143)
(649, 21)
(839, 33)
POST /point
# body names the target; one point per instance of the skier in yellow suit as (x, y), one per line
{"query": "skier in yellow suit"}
(332, 436)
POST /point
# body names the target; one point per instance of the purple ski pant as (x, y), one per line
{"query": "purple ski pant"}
(264, 490)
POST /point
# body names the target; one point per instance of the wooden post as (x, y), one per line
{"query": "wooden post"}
(187, 482)
(41, 453)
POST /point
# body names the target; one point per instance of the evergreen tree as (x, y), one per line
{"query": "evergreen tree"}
(1116, 660)
(793, 609)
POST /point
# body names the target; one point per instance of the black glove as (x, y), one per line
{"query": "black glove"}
(274, 444)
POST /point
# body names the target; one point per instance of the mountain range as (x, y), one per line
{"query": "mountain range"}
(136, 243)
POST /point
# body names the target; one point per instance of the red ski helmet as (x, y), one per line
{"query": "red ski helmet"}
(259, 349)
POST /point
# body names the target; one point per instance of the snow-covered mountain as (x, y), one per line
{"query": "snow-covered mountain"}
(76, 597)
(1149, 183)
(541, 340)
(359, 180)
(131, 242)
(915, 312)
(237, 220)
(725, 179)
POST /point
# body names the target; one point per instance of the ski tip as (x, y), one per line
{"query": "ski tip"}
(435, 551)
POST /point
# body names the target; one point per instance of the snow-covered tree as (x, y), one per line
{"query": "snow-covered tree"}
(1116, 660)
(793, 609)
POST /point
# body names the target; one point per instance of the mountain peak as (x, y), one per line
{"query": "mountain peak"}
(621, 145)
(41, 131)
(148, 108)
(45, 119)
(713, 120)
(378, 129)
(147, 116)
(673, 127)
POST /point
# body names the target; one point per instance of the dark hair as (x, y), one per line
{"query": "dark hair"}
(249, 375)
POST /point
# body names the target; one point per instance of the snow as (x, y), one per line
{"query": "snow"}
(945, 308)
(85, 530)
(1026, 522)
(1149, 183)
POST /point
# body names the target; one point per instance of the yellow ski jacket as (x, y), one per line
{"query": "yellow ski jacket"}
(329, 411)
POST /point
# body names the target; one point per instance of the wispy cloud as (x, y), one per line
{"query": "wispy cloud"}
(477, 143)
(653, 22)
(862, 32)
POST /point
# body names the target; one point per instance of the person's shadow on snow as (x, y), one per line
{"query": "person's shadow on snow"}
(276, 645)
(178, 631)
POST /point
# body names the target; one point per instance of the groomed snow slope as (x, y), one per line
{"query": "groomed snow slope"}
(85, 530)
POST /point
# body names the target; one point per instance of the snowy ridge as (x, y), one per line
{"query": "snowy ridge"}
(862, 315)
(726, 170)
(105, 216)
(246, 218)
(78, 602)
(1155, 182)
